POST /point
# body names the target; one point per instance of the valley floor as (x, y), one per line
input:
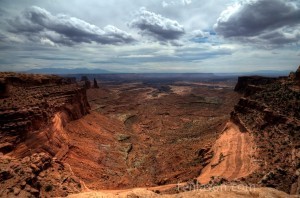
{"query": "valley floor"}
(147, 135)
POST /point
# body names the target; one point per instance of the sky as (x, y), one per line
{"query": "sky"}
(150, 35)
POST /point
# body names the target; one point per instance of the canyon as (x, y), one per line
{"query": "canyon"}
(149, 138)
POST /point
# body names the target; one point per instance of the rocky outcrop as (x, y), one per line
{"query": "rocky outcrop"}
(85, 82)
(250, 84)
(270, 110)
(95, 84)
(31, 107)
(37, 175)
(297, 74)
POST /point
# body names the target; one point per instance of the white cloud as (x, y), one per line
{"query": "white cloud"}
(175, 3)
(186, 2)
(37, 23)
(157, 26)
(164, 4)
(199, 34)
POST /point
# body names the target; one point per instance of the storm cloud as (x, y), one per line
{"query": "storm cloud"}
(157, 26)
(38, 24)
(269, 21)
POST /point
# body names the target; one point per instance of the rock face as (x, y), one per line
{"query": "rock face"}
(32, 103)
(270, 109)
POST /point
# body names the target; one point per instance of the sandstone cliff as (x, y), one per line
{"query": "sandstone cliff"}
(270, 109)
(31, 104)
(33, 112)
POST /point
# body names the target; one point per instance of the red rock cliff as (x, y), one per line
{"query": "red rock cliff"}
(270, 109)
(29, 107)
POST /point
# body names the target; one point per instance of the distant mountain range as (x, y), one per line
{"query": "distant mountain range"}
(68, 71)
(268, 73)
(64, 71)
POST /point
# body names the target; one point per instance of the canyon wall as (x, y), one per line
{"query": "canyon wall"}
(30, 103)
(270, 109)
(34, 142)
(33, 112)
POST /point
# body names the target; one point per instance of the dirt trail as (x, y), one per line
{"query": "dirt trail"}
(233, 153)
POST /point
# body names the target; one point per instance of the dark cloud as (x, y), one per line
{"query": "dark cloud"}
(269, 21)
(2, 37)
(281, 37)
(3, 12)
(38, 24)
(157, 26)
